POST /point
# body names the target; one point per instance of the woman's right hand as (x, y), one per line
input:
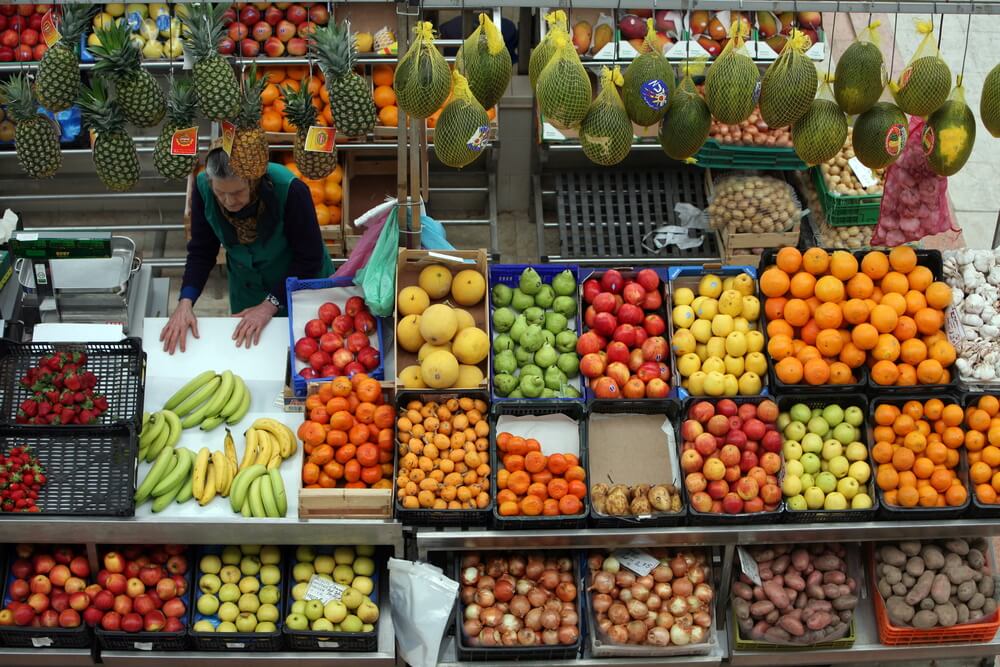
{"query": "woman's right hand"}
(175, 331)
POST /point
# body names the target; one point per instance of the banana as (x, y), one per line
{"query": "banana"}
(174, 423)
(230, 446)
(145, 420)
(188, 389)
(203, 412)
(141, 455)
(198, 397)
(241, 484)
(241, 411)
(221, 469)
(267, 498)
(151, 430)
(212, 422)
(236, 398)
(200, 470)
(185, 457)
(265, 447)
(278, 432)
(219, 399)
(278, 489)
(153, 476)
(249, 449)
(161, 502)
(256, 504)
(209, 493)
(186, 491)
(292, 439)
(230, 474)
(160, 443)
(245, 509)
(275, 461)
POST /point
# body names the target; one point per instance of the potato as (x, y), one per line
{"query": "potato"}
(845, 602)
(989, 607)
(921, 589)
(892, 574)
(933, 557)
(977, 601)
(910, 547)
(986, 586)
(966, 590)
(975, 559)
(742, 590)
(947, 614)
(884, 588)
(776, 594)
(952, 559)
(740, 607)
(941, 589)
(899, 589)
(957, 546)
(915, 566)
(891, 555)
(927, 603)
(960, 574)
(819, 620)
(963, 613)
(925, 619)
(761, 608)
(909, 579)
(792, 626)
(898, 609)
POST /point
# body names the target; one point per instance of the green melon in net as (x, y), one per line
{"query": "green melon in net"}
(649, 82)
(463, 128)
(789, 84)
(819, 134)
(923, 85)
(731, 82)
(606, 131)
(860, 75)
(989, 103)
(879, 135)
(949, 135)
(422, 79)
(687, 123)
(485, 60)
(564, 92)
(542, 53)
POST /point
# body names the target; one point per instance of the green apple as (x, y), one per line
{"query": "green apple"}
(826, 482)
(816, 412)
(269, 594)
(814, 497)
(363, 584)
(250, 549)
(818, 426)
(210, 564)
(835, 501)
(845, 433)
(231, 555)
(299, 607)
(856, 451)
(832, 449)
(791, 450)
(848, 487)
(794, 431)
(365, 550)
(208, 605)
(343, 555)
(343, 574)
(302, 571)
(270, 555)
(324, 564)
(807, 480)
(226, 626)
(250, 565)
(228, 612)
(833, 414)
(299, 590)
(204, 625)
(791, 485)
(305, 554)
(794, 468)
(367, 627)
(351, 624)
(810, 463)
(321, 625)
(267, 613)
(860, 470)
(266, 626)
(812, 443)
(314, 609)
(797, 503)
(249, 585)
(248, 603)
(335, 611)
(269, 575)
(862, 501)
(368, 611)
(800, 412)
(230, 574)
(229, 593)
(854, 416)
(209, 583)
(364, 566)
(297, 622)
(246, 622)
(783, 420)
(352, 598)
(839, 466)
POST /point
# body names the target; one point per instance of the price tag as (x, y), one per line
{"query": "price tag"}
(50, 33)
(550, 133)
(637, 561)
(228, 136)
(319, 139)
(863, 173)
(954, 327)
(323, 590)
(626, 50)
(41, 642)
(235, 645)
(324, 644)
(184, 142)
(749, 566)
(142, 646)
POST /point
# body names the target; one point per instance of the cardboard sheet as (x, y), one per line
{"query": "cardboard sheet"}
(632, 449)
(557, 434)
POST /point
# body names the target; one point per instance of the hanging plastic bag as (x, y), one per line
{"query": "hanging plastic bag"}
(378, 276)
(422, 601)
(860, 76)
(432, 234)
(924, 84)
(914, 199)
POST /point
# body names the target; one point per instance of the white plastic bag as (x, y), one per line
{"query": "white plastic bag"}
(422, 601)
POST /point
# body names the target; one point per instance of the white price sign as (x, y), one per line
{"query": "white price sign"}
(637, 561)
(863, 173)
(749, 565)
(323, 590)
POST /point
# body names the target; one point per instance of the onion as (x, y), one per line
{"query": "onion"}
(594, 561)
(473, 611)
(658, 637)
(703, 618)
(486, 582)
(645, 580)
(604, 624)
(679, 566)
(549, 579)
(604, 582)
(685, 620)
(569, 617)
(662, 573)
(664, 590)
(637, 609)
(564, 564)
(677, 606)
(617, 634)
(568, 634)
(553, 604)
(566, 576)
(523, 586)
(618, 614)
(470, 576)
(485, 597)
(550, 637)
(468, 595)
(624, 579)
(516, 565)
(496, 566)
(550, 619)
(696, 575)
(551, 564)
(508, 638)
(640, 592)
(679, 636)
(698, 634)
(704, 592)
(611, 565)
(566, 591)
(694, 604)
(519, 606)
(569, 606)
(470, 560)
(533, 568)
(601, 602)
(527, 637)
(489, 637)
(537, 597)
(665, 620)
(689, 558)
(472, 627)
(491, 617)
(636, 631)
(625, 594)
(502, 606)
(504, 590)
(510, 622)
(654, 602)
(682, 587)
(533, 619)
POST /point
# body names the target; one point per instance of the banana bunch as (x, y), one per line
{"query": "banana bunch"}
(168, 480)
(209, 399)
(213, 472)
(259, 492)
(160, 431)
(268, 442)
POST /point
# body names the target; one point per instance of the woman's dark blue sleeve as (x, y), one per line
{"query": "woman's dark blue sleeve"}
(202, 251)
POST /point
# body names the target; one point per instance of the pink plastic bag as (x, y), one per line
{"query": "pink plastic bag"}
(914, 199)
(359, 256)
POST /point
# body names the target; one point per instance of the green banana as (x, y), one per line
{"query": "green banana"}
(160, 503)
(198, 416)
(188, 389)
(241, 484)
(212, 422)
(245, 509)
(151, 430)
(153, 476)
(145, 420)
(241, 411)
(256, 504)
(141, 456)
(221, 397)
(236, 398)
(267, 498)
(160, 443)
(278, 490)
(185, 458)
(185, 493)
(174, 423)
(199, 397)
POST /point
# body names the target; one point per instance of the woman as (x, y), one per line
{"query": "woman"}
(269, 230)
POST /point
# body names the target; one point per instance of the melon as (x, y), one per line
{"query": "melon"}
(789, 84)
(422, 79)
(486, 63)
(541, 54)
(860, 78)
(471, 345)
(427, 348)
(989, 103)
(730, 84)
(949, 135)
(879, 135)
(412, 300)
(438, 324)
(923, 86)
(435, 280)
(564, 93)
(648, 83)
(468, 287)
(469, 377)
(606, 131)
(687, 123)
(411, 377)
(408, 333)
(439, 370)
(463, 128)
(819, 135)
(465, 319)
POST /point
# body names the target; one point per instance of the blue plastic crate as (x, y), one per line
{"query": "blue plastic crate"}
(509, 274)
(299, 384)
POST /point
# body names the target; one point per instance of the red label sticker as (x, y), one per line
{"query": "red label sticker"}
(895, 139)
(228, 136)
(184, 142)
(928, 139)
(50, 33)
(320, 139)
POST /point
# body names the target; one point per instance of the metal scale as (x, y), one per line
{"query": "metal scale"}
(75, 276)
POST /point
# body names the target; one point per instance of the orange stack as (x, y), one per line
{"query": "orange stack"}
(828, 315)
(384, 95)
(533, 484)
(327, 193)
(273, 118)
(982, 442)
(917, 452)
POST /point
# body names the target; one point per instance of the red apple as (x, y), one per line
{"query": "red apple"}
(166, 589)
(732, 504)
(701, 502)
(174, 608)
(62, 556)
(767, 411)
(285, 30)
(717, 489)
(43, 563)
(132, 569)
(691, 461)
(634, 294)
(705, 444)
(618, 372)
(654, 325)
(718, 425)
(591, 288)
(747, 488)
(758, 475)
(180, 584)
(640, 337)
(605, 324)
(249, 15)
(329, 342)
(123, 604)
(261, 31)
(59, 600)
(150, 574)
(635, 360)
(617, 351)
(315, 328)
(630, 314)
(6, 617)
(173, 625)
(273, 15)
(9, 38)
(177, 564)
(104, 600)
(79, 567)
(695, 482)
(736, 437)
(305, 30)
(612, 281)
(343, 324)
(317, 360)
(39, 602)
(297, 46)
(308, 373)
(154, 621)
(48, 619)
(648, 370)
(770, 462)
(771, 442)
(753, 505)
(29, 37)
(342, 357)
(730, 455)
(356, 342)
(296, 14)
(369, 358)
(365, 322)
(70, 618)
(21, 568)
(691, 429)
(634, 388)
(41, 584)
(274, 47)
(653, 301)
(754, 428)
(79, 601)
(328, 311)
(24, 615)
(111, 621)
(592, 365)
(116, 583)
(625, 333)
(132, 622)
(143, 604)
(319, 15)
(227, 46)
(249, 48)
(727, 407)
(92, 616)
(229, 16)
(353, 367)
(605, 302)
(701, 411)
(19, 590)
(238, 31)
(649, 279)
(770, 494)
(606, 387)
(135, 587)
(17, 24)
(588, 343)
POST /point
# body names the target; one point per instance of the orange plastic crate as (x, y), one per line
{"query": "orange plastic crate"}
(892, 635)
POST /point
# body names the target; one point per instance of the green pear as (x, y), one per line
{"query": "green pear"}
(501, 295)
(530, 282)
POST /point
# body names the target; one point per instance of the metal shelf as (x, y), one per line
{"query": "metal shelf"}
(448, 659)
(56, 657)
(243, 658)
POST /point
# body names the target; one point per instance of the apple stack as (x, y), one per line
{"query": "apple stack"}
(144, 596)
(336, 342)
(21, 32)
(623, 351)
(47, 589)
(239, 591)
(278, 30)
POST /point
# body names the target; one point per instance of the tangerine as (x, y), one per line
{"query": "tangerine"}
(789, 259)
(905, 329)
(852, 355)
(920, 278)
(882, 452)
(938, 295)
(902, 459)
(929, 371)
(937, 453)
(895, 301)
(884, 372)
(815, 261)
(779, 347)
(940, 480)
(990, 404)
(885, 414)
(986, 494)
(843, 265)
(979, 420)
(887, 348)
(908, 496)
(956, 495)
(914, 301)
(875, 264)
(864, 336)
(944, 352)
(840, 373)
(780, 327)
(902, 258)
(809, 332)
(828, 316)
(384, 96)
(933, 408)
(774, 308)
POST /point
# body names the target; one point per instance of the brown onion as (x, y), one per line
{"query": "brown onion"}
(636, 631)
(565, 564)
(473, 611)
(566, 576)
(519, 606)
(617, 634)
(624, 579)
(677, 605)
(468, 595)
(537, 597)
(611, 565)
(527, 637)
(491, 617)
(569, 617)
(650, 621)
(703, 618)
(682, 587)
(568, 634)
(569, 606)
(470, 576)
(504, 590)
(680, 636)
(604, 582)
(472, 627)
(662, 573)
(550, 637)
(516, 565)
(523, 586)
(510, 622)
(653, 602)
(601, 602)
(551, 564)
(704, 592)
(485, 597)
(664, 590)
(679, 566)
(665, 620)
(603, 624)
(645, 580)
(533, 619)
(470, 560)
(594, 561)
(502, 606)
(553, 604)
(618, 614)
(496, 566)
(625, 594)
(550, 619)
(698, 634)
(533, 568)
(508, 638)
(658, 637)
(685, 620)
(696, 574)
(637, 609)
(566, 591)
(489, 637)
(486, 581)
(549, 579)
(689, 558)
(639, 592)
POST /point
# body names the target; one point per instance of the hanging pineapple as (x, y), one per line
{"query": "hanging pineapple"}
(215, 82)
(248, 158)
(136, 91)
(115, 159)
(351, 102)
(36, 137)
(486, 62)
(181, 107)
(301, 113)
(57, 83)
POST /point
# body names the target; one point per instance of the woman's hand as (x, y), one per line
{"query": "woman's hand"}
(175, 331)
(254, 320)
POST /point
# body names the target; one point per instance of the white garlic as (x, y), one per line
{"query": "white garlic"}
(990, 331)
(985, 372)
(957, 296)
(983, 261)
(974, 304)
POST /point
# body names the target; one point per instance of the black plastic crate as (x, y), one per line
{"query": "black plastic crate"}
(318, 640)
(14, 636)
(669, 408)
(708, 518)
(120, 368)
(896, 512)
(822, 515)
(496, 654)
(432, 517)
(91, 470)
(574, 411)
(979, 509)
(230, 641)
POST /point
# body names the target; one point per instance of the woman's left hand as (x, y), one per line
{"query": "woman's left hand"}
(254, 320)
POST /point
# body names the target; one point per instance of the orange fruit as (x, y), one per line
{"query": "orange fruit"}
(978, 420)
(274, 74)
(779, 347)
(332, 192)
(894, 281)
(882, 452)
(895, 301)
(991, 455)
(986, 494)
(774, 282)
(944, 352)
(389, 116)
(914, 301)
(864, 336)
(928, 320)
(807, 352)
(919, 278)
(883, 318)
(933, 408)
(887, 478)
(840, 373)
(905, 329)
(809, 331)
(956, 495)
(887, 348)
(928, 496)
(829, 289)
(908, 496)
(875, 264)
(852, 355)
(297, 72)
(774, 308)
(974, 443)
(815, 261)
(916, 442)
(816, 372)
(789, 259)
(885, 414)
(902, 459)
(907, 478)
(384, 96)
(913, 351)
(937, 452)
(953, 437)
(980, 473)
(802, 285)
(269, 94)
(843, 265)
(270, 121)
(884, 372)
(938, 295)
(382, 75)
(796, 312)
(335, 214)
(322, 215)
(904, 424)
(860, 286)
(829, 342)
(780, 328)
(855, 311)
(929, 371)
(813, 304)
(828, 316)
(990, 404)
(789, 370)
(902, 258)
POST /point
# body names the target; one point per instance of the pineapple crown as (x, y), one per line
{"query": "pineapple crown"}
(204, 25)
(248, 115)
(99, 112)
(298, 105)
(19, 97)
(334, 48)
(117, 54)
(182, 102)
(75, 19)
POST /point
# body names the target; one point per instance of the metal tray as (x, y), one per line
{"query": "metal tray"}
(87, 275)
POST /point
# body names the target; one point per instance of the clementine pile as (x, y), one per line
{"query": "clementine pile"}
(531, 483)
(982, 442)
